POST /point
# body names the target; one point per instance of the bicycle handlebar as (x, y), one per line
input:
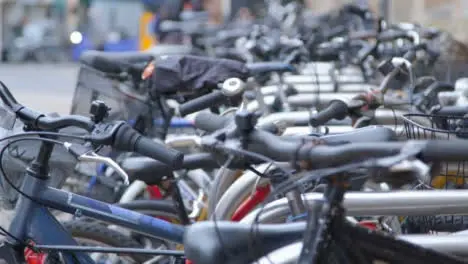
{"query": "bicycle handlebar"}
(117, 134)
(357, 10)
(365, 52)
(6, 96)
(323, 156)
(43, 122)
(393, 35)
(336, 109)
(128, 139)
(335, 32)
(210, 122)
(212, 99)
(445, 150)
(231, 88)
(452, 111)
(286, 149)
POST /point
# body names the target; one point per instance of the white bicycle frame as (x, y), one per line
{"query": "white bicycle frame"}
(324, 68)
(382, 116)
(312, 78)
(321, 87)
(410, 203)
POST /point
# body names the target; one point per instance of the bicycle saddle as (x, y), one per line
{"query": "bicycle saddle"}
(169, 49)
(126, 57)
(269, 67)
(186, 73)
(152, 171)
(227, 242)
(114, 62)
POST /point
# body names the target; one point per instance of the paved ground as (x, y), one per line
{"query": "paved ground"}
(47, 88)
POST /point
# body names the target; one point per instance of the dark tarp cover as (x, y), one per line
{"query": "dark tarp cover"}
(186, 73)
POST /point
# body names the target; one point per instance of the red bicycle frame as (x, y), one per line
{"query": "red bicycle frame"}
(261, 192)
(154, 192)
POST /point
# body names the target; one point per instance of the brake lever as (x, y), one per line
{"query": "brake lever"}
(87, 155)
(93, 157)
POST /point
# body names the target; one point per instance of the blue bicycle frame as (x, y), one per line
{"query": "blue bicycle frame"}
(33, 221)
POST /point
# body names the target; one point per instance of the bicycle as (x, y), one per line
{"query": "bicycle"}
(32, 217)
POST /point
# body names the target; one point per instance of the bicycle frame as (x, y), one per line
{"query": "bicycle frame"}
(313, 88)
(449, 244)
(381, 117)
(260, 194)
(32, 218)
(409, 203)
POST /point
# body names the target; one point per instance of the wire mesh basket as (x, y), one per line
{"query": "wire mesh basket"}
(423, 126)
(128, 101)
(18, 156)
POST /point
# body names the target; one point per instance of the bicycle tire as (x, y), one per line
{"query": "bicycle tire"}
(235, 195)
(95, 232)
(437, 223)
(220, 184)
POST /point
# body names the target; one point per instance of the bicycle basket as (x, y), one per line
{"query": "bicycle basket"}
(18, 156)
(424, 126)
(126, 102)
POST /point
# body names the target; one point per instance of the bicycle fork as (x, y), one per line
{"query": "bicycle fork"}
(294, 197)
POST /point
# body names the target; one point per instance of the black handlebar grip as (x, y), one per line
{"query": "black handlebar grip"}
(365, 52)
(390, 36)
(210, 122)
(6, 96)
(445, 150)
(437, 87)
(357, 10)
(106, 65)
(410, 55)
(337, 109)
(203, 102)
(127, 139)
(335, 32)
(451, 111)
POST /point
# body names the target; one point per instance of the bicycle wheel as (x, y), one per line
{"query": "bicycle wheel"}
(155, 208)
(93, 234)
(236, 194)
(221, 183)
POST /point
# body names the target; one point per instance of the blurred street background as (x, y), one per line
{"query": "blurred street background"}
(41, 40)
